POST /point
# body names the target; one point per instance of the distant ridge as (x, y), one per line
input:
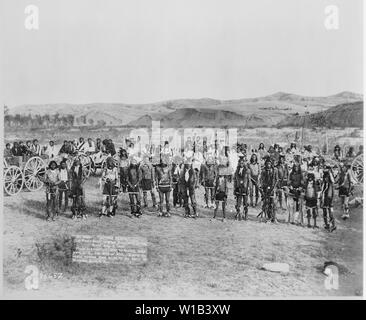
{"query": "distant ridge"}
(262, 111)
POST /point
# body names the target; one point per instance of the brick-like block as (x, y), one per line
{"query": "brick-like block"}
(109, 249)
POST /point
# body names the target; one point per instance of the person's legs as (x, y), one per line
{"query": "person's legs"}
(315, 215)
(332, 219)
(73, 206)
(153, 198)
(82, 200)
(302, 211)
(251, 194)
(216, 208)
(110, 205)
(115, 204)
(223, 210)
(104, 205)
(297, 207)
(298, 210)
(80, 206)
(342, 204)
(185, 201)
(132, 203)
(256, 194)
(53, 206)
(63, 196)
(273, 210)
(167, 198)
(346, 207)
(123, 179)
(161, 202)
(238, 206)
(180, 197)
(290, 209)
(56, 201)
(138, 203)
(308, 216)
(60, 198)
(268, 213)
(207, 190)
(192, 195)
(285, 197)
(144, 195)
(48, 206)
(66, 200)
(279, 195)
(175, 195)
(263, 213)
(212, 191)
(245, 205)
(325, 218)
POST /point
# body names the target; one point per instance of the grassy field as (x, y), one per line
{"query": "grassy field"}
(187, 258)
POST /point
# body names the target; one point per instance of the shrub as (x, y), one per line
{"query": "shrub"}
(57, 251)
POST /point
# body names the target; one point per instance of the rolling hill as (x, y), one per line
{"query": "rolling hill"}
(262, 111)
(191, 117)
(343, 115)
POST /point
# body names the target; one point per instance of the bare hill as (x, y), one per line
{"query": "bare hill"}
(343, 115)
(190, 117)
(268, 110)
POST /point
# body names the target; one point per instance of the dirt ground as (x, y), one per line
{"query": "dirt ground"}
(187, 258)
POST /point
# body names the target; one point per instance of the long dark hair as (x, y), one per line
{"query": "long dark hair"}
(50, 164)
(238, 166)
(252, 159)
(294, 170)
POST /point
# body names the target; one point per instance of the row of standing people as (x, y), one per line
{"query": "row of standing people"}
(250, 182)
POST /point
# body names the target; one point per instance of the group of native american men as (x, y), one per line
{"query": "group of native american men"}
(267, 175)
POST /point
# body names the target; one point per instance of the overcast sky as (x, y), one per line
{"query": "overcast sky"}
(138, 51)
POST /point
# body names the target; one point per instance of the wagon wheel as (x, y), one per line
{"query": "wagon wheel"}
(34, 171)
(357, 169)
(86, 162)
(13, 180)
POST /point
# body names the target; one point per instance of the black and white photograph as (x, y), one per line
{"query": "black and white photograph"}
(182, 150)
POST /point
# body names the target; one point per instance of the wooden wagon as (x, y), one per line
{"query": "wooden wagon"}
(20, 172)
(29, 171)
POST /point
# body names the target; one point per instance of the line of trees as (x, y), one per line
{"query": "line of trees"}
(47, 120)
